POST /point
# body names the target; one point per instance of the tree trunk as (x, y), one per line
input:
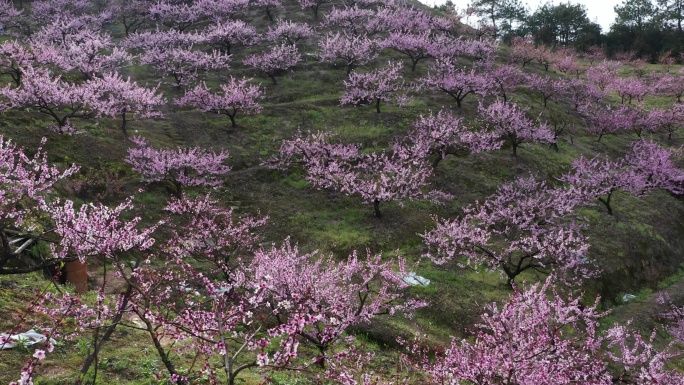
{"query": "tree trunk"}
(322, 348)
(160, 350)
(606, 202)
(511, 282)
(377, 105)
(509, 274)
(123, 125)
(107, 334)
(495, 34)
(439, 158)
(376, 208)
(177, 189)
(179, 80)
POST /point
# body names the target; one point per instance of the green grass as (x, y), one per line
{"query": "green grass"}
(671, 280)
(342, 230)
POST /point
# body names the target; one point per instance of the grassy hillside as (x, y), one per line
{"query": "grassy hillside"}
(639, 248)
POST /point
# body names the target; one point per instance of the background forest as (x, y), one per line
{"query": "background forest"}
(648, 28)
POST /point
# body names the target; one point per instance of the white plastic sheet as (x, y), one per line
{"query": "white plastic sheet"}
(31, 337)
(415, 280)
(628, 297)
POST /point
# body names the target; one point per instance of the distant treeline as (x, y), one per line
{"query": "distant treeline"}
(647, 28)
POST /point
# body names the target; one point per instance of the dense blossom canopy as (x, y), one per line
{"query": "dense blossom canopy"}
(288, 294)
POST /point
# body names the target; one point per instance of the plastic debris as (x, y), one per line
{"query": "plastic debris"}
(415, 280)
(628, 297)
(29, 338)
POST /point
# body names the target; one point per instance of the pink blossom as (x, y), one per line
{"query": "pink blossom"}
(546, 86)
(25, 182)
(52, 96)
(124, 98)
(267, 5)
(39, 354)
(603, 75)
(279, 59)
(383, 85)
(353, 20)
(319, 297)
(523, 51)
(225, 35)
(606, 119)
(413, 45)
(444, 134)
(88, 52)
(511, 124)
(179, 16)
(524, 225)
(533, 338)
(237, 96)
(181, 167)
(458, 82)
(97, 230)
(629, 89)
(670, 84)
(289, 31)
(375, 177)
(14, 59)
(183, 64)
(353, 50)
(313, 5)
